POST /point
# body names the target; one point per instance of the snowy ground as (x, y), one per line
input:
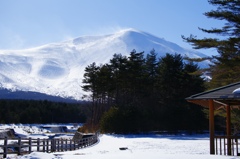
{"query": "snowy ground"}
(138, 147)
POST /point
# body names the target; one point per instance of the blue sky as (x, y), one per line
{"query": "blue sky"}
(30, 23)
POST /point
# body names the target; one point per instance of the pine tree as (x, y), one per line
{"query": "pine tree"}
(226, 68)
(105, 86)
(176, 82)
(169, 73)
(91, 80)
(136, 75)
(118, 65)
(151, 65)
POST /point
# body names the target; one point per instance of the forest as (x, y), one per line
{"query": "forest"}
(41, 112)
(137, 93)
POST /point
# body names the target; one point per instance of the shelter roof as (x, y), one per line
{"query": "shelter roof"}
(222, 96)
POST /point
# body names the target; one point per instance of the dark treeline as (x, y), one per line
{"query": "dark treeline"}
(137, 93)
(32, 111)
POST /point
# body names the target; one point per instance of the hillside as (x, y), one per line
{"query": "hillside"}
(57, 69)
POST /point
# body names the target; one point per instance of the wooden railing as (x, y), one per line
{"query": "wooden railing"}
(22, 146)
(227, 145)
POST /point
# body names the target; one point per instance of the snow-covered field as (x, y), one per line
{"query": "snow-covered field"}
(137, 147)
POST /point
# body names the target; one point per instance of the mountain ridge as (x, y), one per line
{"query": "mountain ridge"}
(57, 68)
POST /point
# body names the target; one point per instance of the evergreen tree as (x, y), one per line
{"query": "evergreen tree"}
(150, 98)
(118, 65)
(104, 89)
(91, 80)
(151, 68)
(175, 83)
(226, 68)
(169, 75)
(136, 75)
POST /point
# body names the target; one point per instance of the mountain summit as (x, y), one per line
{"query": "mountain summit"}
(57, 68)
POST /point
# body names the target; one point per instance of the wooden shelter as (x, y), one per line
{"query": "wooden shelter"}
(226, 97)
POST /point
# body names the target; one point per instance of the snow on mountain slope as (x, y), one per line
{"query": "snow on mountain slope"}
(58, 68)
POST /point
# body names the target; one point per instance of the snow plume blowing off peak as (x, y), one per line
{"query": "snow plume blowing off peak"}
(57, 69)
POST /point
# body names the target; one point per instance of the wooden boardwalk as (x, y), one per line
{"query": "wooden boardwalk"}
(21, 146)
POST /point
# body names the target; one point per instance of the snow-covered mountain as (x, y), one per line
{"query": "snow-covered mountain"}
(57, 69)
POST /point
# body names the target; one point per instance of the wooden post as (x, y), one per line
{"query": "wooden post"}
(38, 144)
(224, 147)
(58, 149)
(61, 144)
(47, 145)
(43, 145)
(19, 146)
(30, 145)
(211, 126)
(5, 147)
(53, 145)
(70, 145)
(66, 145)
(228, 125)
(237, 146)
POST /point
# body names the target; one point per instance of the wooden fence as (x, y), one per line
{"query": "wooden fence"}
(21, 146)
(227, 145)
